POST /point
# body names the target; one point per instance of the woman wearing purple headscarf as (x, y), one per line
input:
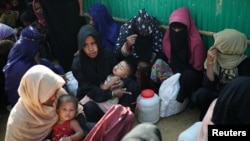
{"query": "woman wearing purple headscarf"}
(104, 24)
(183, 47)
(7, 39)
(24, 55)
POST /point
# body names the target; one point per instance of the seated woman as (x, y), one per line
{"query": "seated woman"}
(230, 108)
(142, 37)
(125, 69)
(90, 68)
(103, 23)
(7, 40)
(24, 55)
(184, 50)
(225, 61)
(34, 114)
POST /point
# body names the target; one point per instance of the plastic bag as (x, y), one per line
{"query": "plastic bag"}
(168, 92)
(114, 124)
(71, 83)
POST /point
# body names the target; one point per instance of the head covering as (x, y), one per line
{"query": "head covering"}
(100, 66)
(231, 45)
(39, 16)
(195, 44)
(20, 59)
(233, 103)
(6, 31)
(105, 25)
(25, 48)
(230, 108)
(143, 25)
(29, 118)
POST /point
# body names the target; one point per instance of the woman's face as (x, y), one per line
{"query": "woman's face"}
(51, 100)
(38, 8)
(90, 47)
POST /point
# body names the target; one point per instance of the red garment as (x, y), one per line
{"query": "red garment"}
(61, 130)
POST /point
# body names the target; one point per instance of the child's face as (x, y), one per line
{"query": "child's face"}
(121, 69)
(66, 111)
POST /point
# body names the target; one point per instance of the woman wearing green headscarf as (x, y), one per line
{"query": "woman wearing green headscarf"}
(225, 61)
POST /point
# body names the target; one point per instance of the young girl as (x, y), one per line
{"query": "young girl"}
(67, 127)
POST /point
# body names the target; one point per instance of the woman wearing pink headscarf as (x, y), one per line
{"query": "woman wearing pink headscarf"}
(37, 8)
(183, 47)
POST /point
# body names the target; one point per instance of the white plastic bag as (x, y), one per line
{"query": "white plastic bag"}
(71, 83)
(168, 92)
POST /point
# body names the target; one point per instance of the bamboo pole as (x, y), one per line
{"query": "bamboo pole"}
(202, 32)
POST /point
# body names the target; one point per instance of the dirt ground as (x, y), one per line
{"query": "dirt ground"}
(170, 127)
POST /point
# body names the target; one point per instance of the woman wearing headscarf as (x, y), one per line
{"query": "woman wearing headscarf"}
(91, 67)
(104, 24)
(63, 19)
(34, 114)
(142, 37)
(41, 25)
(7, 39)
(230, 108)
(225, 61)
(24, 55)
(183, 47)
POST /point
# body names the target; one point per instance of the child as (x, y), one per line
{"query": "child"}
(125, 69)
(67, 127)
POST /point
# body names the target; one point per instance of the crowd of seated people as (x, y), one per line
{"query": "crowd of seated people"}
(111, 62)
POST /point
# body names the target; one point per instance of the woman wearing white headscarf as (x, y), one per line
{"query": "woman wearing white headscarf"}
(225, 61)
(34, 114)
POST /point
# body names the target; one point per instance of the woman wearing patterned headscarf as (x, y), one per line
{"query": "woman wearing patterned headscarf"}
(104, 24)
(24, 55)
(142, 37)
(225, 61)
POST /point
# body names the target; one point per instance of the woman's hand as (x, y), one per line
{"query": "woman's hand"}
(131, 39)
(211, 54)
(118, 85)
(119, 92)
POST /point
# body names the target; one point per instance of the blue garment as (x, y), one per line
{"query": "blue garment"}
(20, 59)
(105, 25)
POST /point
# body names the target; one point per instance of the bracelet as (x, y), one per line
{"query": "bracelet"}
(112, 94)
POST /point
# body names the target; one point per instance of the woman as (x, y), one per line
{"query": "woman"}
(63, 22)
(142, 37)
(7, 39)
(24, 55)
(230, 108)
(34, 114)
(225, 61)
(104, 24)
(90, 68)
(183, 47)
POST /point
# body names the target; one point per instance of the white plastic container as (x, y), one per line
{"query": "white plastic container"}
(148, 106)
(190, 133)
